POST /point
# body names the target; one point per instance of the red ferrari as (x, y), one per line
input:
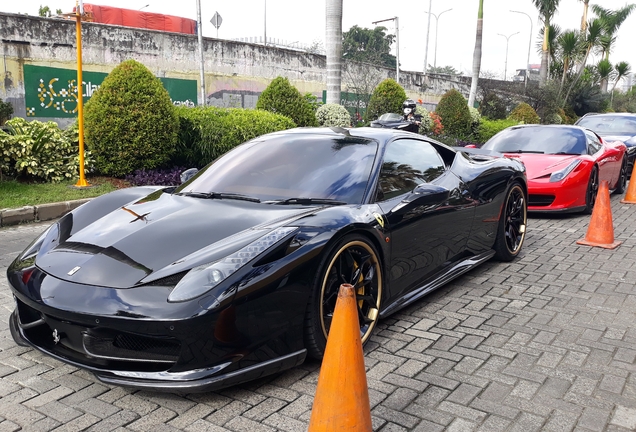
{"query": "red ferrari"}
(564, 164)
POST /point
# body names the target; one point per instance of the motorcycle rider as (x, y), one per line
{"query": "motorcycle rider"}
(408, 109)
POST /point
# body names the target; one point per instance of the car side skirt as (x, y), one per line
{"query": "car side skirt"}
(451, 272)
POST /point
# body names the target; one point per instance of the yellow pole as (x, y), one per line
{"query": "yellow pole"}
(80, 98)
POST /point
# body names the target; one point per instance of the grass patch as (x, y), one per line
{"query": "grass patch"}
(14, 194)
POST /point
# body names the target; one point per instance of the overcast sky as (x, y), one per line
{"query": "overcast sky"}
(304, 22)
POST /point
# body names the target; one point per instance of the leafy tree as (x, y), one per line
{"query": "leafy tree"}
(589, 40)
(547, 9)
(553, 41)
(456, 118)
(130, 121)
(44, 11)
(387, 97)
(6, 110)
(493, 107)
(368, 46)
(605, 71)
(446, 70)
(283, 98)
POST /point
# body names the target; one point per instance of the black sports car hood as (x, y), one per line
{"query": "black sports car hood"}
(157, 236)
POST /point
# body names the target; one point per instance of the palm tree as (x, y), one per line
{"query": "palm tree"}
(586, 5)
(612, 21)
(569, 48)
(477, 54)
(334, 50)
(605, 72)
(623, 69)
(588, 41)
(547, 9)
(553, 35)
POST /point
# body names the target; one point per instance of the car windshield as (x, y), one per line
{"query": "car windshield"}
(390, 117)
(610, 125)
(537, 139)
(284, 166)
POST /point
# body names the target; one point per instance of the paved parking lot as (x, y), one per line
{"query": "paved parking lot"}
(547, 342)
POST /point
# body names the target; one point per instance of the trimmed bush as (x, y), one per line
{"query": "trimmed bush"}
(41, 151)
(475, 119)
(387, 97)
(553, 118)
(427, 122)
(524, 113)
(489, 128)
(493, 107)
(333, 115)
(281, 97)
(206, 133)
(130, 121)
(453, 110)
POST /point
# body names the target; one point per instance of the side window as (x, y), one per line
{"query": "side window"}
(407, 163)
(593, 145)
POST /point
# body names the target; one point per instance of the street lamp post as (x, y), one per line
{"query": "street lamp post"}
(428, 30)
(506, 64)
(397, 45)
(525, 83)
(437, 17)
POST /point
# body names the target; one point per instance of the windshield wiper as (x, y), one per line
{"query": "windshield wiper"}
(307, 201)
(523, 151)
(567, 153)
(220, 195)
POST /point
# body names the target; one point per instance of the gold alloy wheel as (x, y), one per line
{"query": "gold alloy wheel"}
(354, 263)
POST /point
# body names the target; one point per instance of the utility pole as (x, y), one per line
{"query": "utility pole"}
(428, 31)
(200, 37)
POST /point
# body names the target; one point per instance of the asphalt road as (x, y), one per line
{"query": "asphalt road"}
(547, 342)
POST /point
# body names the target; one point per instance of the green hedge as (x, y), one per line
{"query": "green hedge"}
(40, 151)
(281, 97)
(387, 97)
(525, 113)
(489, 128)
(456, 118)
(205, 133)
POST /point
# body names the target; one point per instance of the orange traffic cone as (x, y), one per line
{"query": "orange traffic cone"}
(630, 196)
(342, 396)
(600, 233)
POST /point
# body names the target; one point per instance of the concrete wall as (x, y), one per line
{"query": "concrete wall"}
(236, 72)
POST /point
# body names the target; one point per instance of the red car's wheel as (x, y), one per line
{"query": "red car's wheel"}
(592, 189)
(621, 185)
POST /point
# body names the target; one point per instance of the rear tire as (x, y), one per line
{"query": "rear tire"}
(512, 224)
(592, 190)
(353, 259)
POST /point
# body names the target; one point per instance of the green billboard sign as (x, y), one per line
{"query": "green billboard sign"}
(52, 92)
(355, 103)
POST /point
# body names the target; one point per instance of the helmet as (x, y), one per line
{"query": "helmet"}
(408, 106)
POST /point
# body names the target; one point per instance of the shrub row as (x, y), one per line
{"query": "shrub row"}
(40, 151)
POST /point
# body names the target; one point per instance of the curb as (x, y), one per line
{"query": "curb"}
(42, 212)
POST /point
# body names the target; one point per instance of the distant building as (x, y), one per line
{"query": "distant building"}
(534, 69)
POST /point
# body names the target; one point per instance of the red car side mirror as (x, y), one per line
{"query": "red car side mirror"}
(471, 146)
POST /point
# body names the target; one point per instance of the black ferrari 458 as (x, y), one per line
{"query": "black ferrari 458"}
(233, 275)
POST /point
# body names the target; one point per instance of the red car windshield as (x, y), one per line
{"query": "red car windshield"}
(538, 139)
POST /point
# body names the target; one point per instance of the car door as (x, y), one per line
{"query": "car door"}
(425, 238)
(607, 158)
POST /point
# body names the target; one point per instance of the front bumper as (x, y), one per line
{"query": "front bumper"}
(201, 380)
(559, 197)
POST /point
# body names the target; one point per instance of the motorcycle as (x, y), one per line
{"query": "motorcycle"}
(396, 121)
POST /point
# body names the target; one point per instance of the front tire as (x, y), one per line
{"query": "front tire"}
(592, 190)
(621, 185)
(512, 224)
(353, 260)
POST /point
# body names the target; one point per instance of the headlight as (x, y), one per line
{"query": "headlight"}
(562, 174)
(202, 279)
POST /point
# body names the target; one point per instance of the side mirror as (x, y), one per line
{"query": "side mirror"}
(423, 195)
(188, 174)
(470, 146)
